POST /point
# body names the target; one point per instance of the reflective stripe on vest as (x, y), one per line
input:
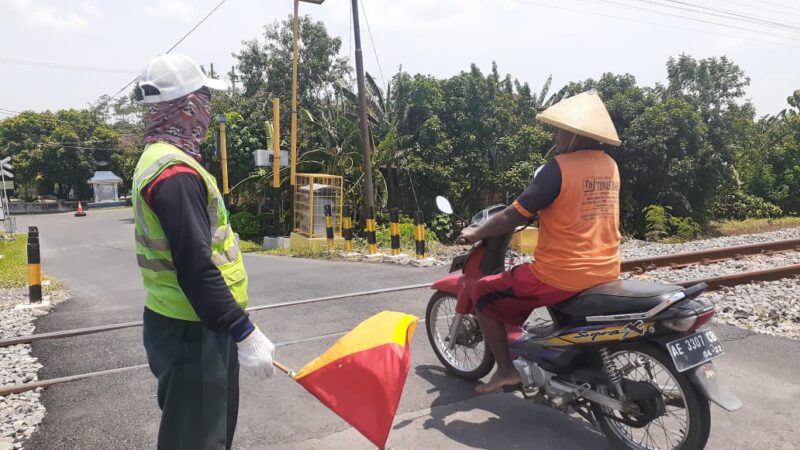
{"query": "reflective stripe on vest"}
(164, 295)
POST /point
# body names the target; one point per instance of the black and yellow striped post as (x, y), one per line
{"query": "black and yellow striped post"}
(329, 227)
(419, 234)
(347, 230)
(34, 266)
(394, 228)
(369, 216)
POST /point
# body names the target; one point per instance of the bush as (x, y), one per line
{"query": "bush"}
(660, 224)
(442, 226)
(383, 234)
(685, 228)
(741, 205)
(247, 225)
(656, 219)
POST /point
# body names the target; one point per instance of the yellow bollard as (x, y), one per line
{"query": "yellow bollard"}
(34, 266)
(369, 215)
(329, 227)
(394, 224)
(347, 230)
(420, 234)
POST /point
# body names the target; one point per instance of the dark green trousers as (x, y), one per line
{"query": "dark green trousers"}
(198, 383)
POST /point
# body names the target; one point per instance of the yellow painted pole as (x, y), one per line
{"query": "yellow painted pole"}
(419, 235)
(34, 266)
(329, 227)
(371, 241)
(223, 156)
(347, 230)
(394, 220)
(311, 205)
(276, 142)
(293, 158)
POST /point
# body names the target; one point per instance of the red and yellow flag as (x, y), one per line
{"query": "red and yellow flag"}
(362, 376)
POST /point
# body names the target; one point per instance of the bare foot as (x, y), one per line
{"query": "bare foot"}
(498, 381)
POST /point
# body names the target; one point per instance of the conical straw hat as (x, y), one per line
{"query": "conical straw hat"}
(583, 114)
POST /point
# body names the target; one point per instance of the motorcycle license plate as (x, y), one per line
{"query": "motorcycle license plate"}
(694, 350)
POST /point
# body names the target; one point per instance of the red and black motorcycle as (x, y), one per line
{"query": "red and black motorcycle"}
(631, 357)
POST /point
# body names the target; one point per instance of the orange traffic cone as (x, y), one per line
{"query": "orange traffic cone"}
(80, 212)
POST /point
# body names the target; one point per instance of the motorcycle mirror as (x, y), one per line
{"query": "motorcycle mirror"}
(444, 205)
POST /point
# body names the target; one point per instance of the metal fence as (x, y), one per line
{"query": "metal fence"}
(312, 192)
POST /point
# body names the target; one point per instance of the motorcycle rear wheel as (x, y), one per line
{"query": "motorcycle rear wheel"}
(470, 359)
(698, 415)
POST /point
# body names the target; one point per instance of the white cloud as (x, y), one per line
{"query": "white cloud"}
(171, 9)
(36, 14)
(93, 11)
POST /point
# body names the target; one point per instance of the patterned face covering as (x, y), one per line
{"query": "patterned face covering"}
(182, 122)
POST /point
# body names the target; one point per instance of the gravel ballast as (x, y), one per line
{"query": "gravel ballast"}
(764, 307)
(20, 414)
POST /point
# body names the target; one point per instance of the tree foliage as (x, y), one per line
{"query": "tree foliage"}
(692, 148)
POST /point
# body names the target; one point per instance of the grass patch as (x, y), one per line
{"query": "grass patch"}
(751, 226)
(320, 253)
(359, 245)
(249, 246)
(14, 263)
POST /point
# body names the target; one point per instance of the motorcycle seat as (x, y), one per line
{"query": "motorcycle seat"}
(618, 297)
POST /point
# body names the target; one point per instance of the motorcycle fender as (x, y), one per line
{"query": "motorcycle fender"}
(450, 284)
(706, 379)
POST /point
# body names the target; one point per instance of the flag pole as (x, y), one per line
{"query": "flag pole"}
(284, 369)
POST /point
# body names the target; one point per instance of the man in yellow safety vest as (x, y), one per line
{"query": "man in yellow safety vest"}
(196, 332)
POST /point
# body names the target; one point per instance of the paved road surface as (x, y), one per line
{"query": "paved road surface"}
(94, 257)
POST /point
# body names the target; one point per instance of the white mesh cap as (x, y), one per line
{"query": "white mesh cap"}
(173, 76)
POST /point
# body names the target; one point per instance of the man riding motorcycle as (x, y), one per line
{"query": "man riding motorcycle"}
(576, 196)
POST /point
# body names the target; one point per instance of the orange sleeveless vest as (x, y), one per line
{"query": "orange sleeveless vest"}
(579, 232)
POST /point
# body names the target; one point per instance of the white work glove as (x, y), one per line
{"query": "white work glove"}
(255, 354)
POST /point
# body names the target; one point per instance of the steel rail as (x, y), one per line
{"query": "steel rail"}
(706, 256)
(636, 266)
(101, 328)
(734, 279)
(24, 387)
(714, 283)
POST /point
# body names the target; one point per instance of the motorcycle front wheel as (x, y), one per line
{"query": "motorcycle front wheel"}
(685, 423)
(470, 357)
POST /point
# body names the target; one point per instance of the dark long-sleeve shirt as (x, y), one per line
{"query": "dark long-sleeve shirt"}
(179, 199)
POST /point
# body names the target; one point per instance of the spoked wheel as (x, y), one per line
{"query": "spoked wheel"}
(680, 419)
(469, 357)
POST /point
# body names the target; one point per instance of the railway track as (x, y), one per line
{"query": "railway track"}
(637, 267)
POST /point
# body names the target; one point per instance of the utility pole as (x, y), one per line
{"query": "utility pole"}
(362, 113)
(293, 137)
(223, 154)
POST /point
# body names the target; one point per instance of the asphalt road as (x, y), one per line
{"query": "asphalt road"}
(94, 256)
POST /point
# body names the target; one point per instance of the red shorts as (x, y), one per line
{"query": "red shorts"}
(510, 297)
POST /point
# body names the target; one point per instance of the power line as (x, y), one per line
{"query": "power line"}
(197, 25)
(722, 13)
(630, 19)
(697, 19)
(49, 65)
(791, 8)
(761, 8)
(374, 50)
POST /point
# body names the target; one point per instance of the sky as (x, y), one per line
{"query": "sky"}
(530, 39)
